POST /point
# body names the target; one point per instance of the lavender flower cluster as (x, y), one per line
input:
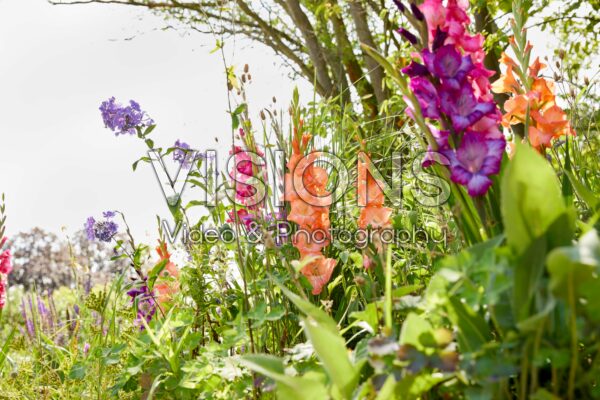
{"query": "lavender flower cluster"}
(124, 119)
(103, 230)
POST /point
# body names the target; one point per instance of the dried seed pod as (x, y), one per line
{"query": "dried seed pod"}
(558, 64)
(586, 81)
(244, 78)
(249, 77)
(274, 99)
(561, 54)
(229, 86)
(262, 115)
(246, 68)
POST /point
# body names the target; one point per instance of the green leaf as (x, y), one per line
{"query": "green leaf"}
(78, 371)
(321, 330)
(473, 330)
(585, 194)
(577, 266)
(288, 387)
(155, 273)
(531, 199)
(418, 332)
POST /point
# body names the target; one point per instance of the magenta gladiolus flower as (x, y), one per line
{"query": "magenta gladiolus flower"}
(475, 160)
(448, 65)
(427, 96)
(452, 88)
(463, 108)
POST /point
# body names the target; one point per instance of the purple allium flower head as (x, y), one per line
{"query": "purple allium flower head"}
(427, 96)
(124, 119)
(183, 154)
(476, 158)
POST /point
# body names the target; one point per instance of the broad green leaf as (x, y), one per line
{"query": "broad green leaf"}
(577, 265)
(321, 330)
(531, 199)
(473, 330)
(417, 331)
(288, 387)
(585, 194)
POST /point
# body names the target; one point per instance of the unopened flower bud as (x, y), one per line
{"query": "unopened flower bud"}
(407, 35)
(558, 64)
(274, 99)
(262, 115)
(244, 78)
(229, 86)
(400, 6)
(416, 12)
(556, 77)
(572, 92)
(359, 280)
(561, 54)
(246, 68)
(586, 80)
(249, 77)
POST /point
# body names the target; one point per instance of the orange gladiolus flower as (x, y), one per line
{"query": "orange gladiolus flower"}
(305, 189)
(166, 288)
(371, 195)
(507, 83)
(547, 121)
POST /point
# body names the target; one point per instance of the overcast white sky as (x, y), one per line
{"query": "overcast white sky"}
(58, 164)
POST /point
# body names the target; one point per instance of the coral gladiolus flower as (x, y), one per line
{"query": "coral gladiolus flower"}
(318, 272)
(371, 195)
(166, 288)
(547, 121)
(305, 189)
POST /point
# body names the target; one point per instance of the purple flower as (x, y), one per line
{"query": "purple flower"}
(124, 119)
(438, 39)
(427, 96)
(415, 69)
(89, 228)
(462, 107)
(408, 35)
(101, 230)
(144, 301)
(431, 156)
(475, 160)
(448, 65)
(183, 155)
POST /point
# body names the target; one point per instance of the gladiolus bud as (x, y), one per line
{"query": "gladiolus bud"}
(407, 35)
(416, 12)
(400, 6)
